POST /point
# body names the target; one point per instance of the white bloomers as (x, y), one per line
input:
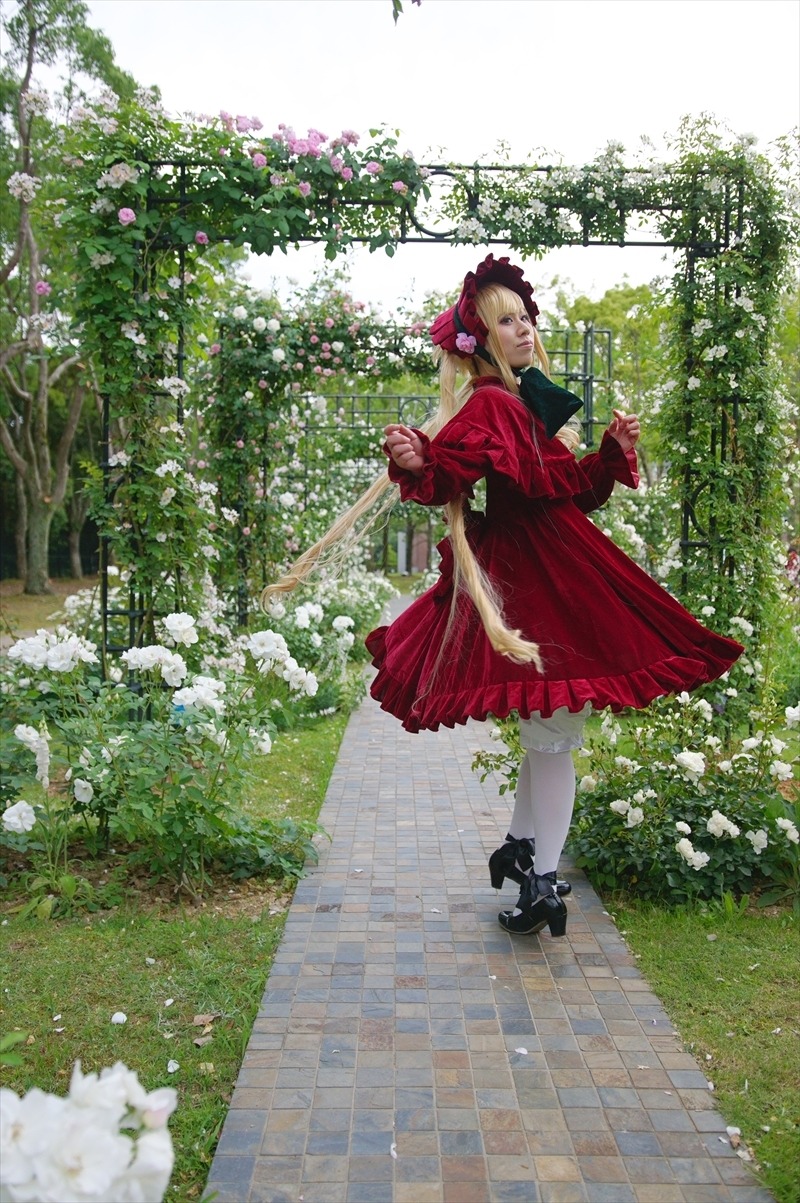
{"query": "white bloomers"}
(561, 733)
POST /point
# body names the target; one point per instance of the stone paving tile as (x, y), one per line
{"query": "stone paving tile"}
(408, 1050)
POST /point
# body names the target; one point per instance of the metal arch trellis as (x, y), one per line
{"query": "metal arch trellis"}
(581, 360)
(414, 227)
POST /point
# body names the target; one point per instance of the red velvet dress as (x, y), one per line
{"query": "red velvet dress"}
(607, 633)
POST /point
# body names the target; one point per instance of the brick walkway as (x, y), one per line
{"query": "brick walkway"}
(409, 1050)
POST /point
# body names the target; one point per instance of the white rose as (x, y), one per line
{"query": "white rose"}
(758, 839)
(273, 325)
(264, 744)
(789, 830)
(239, 313)
(718, 825)
(19, 818)
(84, 790)
(181, 628)
(259, 325)
(279, 355)
(693, 764)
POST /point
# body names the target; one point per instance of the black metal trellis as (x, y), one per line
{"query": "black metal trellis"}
(579, 361)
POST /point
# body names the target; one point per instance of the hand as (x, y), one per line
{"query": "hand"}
(405, 448)
(625, 429)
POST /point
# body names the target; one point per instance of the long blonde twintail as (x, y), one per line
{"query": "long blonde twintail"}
(468, 574)
(333, 549)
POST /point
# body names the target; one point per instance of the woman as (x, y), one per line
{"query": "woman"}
(535, 610)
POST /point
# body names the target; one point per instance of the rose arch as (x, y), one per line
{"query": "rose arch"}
(144, 211)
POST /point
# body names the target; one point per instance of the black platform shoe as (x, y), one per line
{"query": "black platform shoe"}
(515, 860)
(539, 906)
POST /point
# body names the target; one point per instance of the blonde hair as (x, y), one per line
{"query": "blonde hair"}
(331, 551)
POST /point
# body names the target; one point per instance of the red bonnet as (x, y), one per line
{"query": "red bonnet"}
(459, 328)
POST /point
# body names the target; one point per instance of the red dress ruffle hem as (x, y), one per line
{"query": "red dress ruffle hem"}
(608, 634)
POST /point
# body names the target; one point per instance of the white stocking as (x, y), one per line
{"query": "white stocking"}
(543, 806)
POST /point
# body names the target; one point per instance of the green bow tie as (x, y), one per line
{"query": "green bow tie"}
(553, 404)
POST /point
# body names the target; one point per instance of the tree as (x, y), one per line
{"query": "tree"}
(635, 316)
(37, 354)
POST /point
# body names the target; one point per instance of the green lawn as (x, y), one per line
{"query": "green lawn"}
(210, 960)
(22, 612)
(731, 985)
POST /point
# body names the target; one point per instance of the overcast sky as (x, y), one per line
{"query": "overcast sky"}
(457, 76)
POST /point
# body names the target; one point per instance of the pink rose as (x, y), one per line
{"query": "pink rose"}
(373, 168)
(214, 349)
(262, 384)
(347, 173)
(259, 160)
(276, 180)
(328, 322)
(43, 288)
(201, 238)
(336, 162)
(245, 530)
(240, 443)
(466, 343)
(314, 339)
(126, 216)
(399, 186)
(304, 187)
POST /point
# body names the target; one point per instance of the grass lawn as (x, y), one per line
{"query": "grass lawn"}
(212, 960)
(731, 985)
(22, 613)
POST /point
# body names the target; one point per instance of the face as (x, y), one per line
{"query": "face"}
(514, 332)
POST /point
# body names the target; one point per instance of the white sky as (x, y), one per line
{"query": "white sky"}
(456, 76)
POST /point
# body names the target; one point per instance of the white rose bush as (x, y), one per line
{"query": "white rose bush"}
(688, 813)
(672, 811)
(159, 755)
(107, 1140)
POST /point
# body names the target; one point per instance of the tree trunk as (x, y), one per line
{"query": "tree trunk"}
(77, 512)
(21, 532)
(75, 565)
(37, 576)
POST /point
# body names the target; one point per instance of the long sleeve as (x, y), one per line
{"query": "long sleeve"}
(604, 468)
(482, 439)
